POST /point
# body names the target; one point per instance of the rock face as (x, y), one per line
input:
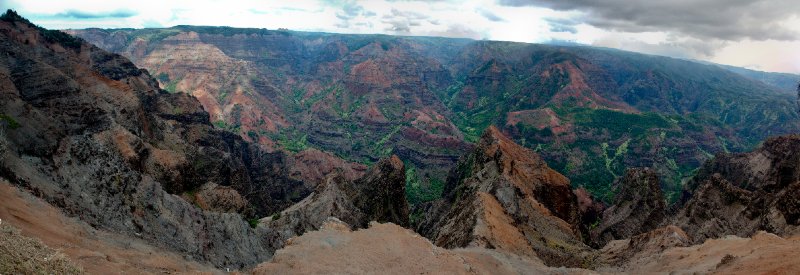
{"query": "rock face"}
(95, 136)
(504, 196)
(214, 197)
(639, 207)
(378, 196)
(381, 195)
(311, 166)
(739, 194)
(590, 210)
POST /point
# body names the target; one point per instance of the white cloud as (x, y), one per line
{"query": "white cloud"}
(477, 19)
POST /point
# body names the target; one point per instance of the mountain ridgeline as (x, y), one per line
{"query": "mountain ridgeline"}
(590, 112)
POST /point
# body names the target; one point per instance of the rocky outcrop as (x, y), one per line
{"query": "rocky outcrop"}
(503, 196)
(590, 210)
(214, 197)
(381, 195)
(93, 135)
(739, 194)
(311, 166)
(639, 207)
(378, 196)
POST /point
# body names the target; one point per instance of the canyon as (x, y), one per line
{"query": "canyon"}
(589, 112)
(271, 151)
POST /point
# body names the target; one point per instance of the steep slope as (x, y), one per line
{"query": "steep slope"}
(639, 207)
(738, 194)
(590, 112)
(93, 135)
(311, 166)
(503, 196)
(37, 237)
(378, 196)
(362, 98)
(593, 112)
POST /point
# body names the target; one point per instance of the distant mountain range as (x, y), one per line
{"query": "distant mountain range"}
(782, 81)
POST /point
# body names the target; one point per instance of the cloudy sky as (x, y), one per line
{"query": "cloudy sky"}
(762, 35)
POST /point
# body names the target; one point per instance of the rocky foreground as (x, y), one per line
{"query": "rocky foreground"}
(101, 172)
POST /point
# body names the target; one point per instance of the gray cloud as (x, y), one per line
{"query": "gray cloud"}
(562, 25)
(402, 21)
(674, 46)
(458, 31)
(91, 15)
(406, 14)
(729, 20)
(489, 15)
(398, 26)
(349, 11)
(352, 9)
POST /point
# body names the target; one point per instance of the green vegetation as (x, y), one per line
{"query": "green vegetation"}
(253, 223)
(253, 135)
(359, 41)
(163, 77)
(611, 141)
(418, 191)
(170, 85)
(344, 105)
(530, 131)
(52, 36)
(291, 140)
(321, 95)
(295, 145)
(220, 124)
(66, 40)
(8, 120)
(378, 150)
(617, 123)
(229, 31)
